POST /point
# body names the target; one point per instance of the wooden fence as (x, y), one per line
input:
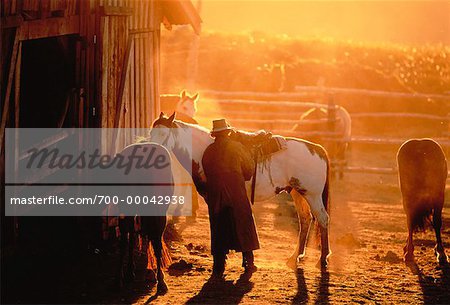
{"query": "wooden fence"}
(279, 112)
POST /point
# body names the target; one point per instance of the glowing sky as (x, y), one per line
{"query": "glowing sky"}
(391, 21)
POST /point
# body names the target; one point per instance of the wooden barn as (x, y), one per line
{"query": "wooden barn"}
(83, 63)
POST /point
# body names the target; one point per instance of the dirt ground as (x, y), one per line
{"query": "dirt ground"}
(368, 230)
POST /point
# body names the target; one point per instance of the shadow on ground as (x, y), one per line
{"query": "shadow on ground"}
(223, 291)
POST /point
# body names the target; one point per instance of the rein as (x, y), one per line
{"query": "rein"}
(164, 143)
(255, 158)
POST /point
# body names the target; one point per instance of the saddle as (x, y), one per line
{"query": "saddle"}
(261, 144)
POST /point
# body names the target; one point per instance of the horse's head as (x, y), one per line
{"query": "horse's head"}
(187, 104)
(164, 130)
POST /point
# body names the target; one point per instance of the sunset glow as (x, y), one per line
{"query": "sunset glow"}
(413, 22)
(225, 152)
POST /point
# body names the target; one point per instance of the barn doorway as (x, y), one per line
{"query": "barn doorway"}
(48, 100)
(47, 82)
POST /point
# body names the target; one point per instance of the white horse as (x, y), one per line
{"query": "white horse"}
(337, 150)
(184, 104)
(302, 169)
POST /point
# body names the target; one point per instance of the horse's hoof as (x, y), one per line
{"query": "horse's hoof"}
(301, 257)
(408, 257)
(162, 288)
(442, 259)
(292, 263)
(322, 263)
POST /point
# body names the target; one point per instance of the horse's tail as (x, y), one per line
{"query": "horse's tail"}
(166, 259)
(325, 197)
(421, 218)
(326, 189)
(347, 121)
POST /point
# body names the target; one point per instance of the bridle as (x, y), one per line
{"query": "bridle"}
(164, 143)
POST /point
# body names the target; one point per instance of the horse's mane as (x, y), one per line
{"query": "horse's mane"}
(194, 126)
(141, 139)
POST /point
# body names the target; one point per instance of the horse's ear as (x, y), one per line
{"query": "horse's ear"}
(183, 94)
(195, 97)
(172, 117)
(161, 115)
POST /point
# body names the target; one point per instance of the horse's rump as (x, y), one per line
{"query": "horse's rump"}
(159, 182)
(422, 175)
(317, 120)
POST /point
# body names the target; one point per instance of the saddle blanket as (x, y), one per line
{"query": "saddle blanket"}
(273, 145)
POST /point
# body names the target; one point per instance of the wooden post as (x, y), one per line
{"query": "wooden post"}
(119, 103)
(331, 114)
(332, 128)
(16, 125)
(17, 86)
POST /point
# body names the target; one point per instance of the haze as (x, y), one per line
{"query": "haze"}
(410, 22)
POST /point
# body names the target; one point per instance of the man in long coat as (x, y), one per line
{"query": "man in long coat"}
(227, 165)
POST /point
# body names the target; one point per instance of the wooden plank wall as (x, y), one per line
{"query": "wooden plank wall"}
(35, 9)
(130, 66)
(121, 76)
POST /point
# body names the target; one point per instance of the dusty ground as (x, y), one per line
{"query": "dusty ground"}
(367, 236)
(368, 231)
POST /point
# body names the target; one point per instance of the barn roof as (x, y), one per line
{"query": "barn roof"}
(181, 12)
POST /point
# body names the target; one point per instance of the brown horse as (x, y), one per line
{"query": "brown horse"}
(151, 228)
(422, 173)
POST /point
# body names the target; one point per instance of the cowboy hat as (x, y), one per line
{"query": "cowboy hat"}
(220, 125)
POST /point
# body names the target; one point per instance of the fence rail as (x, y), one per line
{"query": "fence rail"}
(382, 115)
(375, 170)
(308, 91)
(366, 92)
(286, 106)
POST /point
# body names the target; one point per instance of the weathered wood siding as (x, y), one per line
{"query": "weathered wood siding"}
(130, 62)
(36, 9)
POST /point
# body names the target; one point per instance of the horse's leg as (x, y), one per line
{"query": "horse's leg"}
(149, 274)
(180, 190)
(305, 219)
(156, 235)
(157, 247)
(437, 223)
(194, 207)
(408, 250)
(319, 212)
(131, 244)
(123, 229)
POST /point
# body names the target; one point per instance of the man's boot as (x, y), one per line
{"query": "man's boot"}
(248, 262)
(218, 265)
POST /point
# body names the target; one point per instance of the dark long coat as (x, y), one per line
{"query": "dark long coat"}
(227, 165)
